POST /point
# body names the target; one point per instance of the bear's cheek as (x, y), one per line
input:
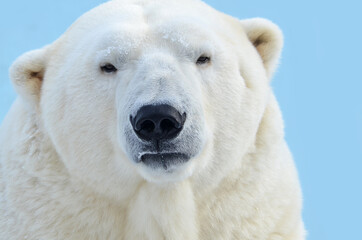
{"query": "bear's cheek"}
(79, 115)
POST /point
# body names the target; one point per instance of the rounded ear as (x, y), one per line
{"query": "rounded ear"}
(267, 38)
(27, 73)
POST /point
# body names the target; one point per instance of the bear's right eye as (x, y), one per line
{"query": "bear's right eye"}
(108, 68)
(203, 59)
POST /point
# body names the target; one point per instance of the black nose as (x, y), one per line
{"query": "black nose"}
(157, 122)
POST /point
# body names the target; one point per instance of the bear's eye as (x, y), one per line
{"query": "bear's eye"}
(108, 68)
(203, 59)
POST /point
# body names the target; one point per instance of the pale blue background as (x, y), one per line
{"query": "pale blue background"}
(319, 87)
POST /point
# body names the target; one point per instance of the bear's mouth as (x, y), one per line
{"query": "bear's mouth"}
(163, 160)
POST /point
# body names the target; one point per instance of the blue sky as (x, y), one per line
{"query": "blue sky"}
(318, 86)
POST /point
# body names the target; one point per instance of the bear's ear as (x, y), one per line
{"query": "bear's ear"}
(267, 38)
(27, 73)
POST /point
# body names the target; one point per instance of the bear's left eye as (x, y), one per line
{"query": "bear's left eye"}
(203, 59)
(108, 68)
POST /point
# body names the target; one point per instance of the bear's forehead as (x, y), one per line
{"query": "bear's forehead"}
(162, 17)
(130, 25)
(177, 31)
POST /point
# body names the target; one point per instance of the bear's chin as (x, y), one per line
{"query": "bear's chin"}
(172, 174)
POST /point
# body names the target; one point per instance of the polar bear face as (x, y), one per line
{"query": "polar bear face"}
(156, 90)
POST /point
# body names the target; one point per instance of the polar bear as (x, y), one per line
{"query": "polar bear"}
(149, 119)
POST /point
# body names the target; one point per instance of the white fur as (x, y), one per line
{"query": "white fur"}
(68, 154)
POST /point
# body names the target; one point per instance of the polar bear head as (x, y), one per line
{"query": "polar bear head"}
(161, 91)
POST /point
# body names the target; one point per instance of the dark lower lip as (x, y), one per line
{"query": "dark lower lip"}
(164, 160)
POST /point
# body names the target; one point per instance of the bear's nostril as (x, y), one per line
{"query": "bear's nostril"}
(167, 125)
(147, 126)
